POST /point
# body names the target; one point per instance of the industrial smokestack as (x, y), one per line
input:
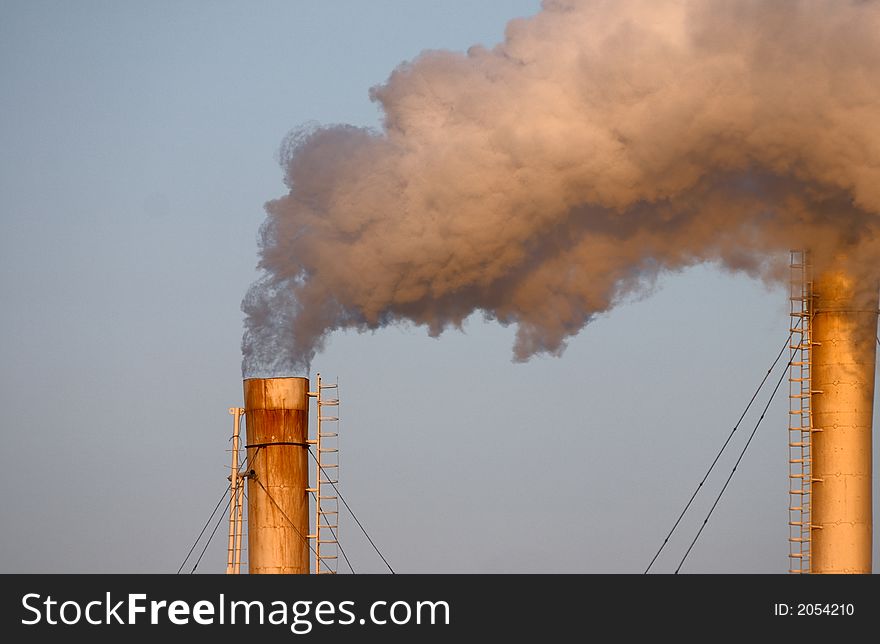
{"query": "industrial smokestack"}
(540, 182)
(277, 416)
(844, 335)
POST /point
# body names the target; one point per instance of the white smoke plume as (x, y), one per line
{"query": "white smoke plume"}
(540, 181)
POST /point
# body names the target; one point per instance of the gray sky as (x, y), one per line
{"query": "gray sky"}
(137, 146)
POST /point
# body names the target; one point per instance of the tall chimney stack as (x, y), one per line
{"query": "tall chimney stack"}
(844, 327)
(277, 416)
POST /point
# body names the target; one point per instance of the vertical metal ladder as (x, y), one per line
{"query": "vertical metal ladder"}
(236, 499)
(800, 425)
(326, 477)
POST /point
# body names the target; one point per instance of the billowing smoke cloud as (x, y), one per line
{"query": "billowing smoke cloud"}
(541, 181)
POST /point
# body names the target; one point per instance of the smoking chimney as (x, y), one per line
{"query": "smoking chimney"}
(540, 182)
(844, 332)
(277, 414)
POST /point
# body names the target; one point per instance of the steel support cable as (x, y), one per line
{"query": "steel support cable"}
(213, 532)
(721, 451)
(353, 515)
(219, 521)
(205, 527)
(284, 514)
(735, 465)
(271, 498)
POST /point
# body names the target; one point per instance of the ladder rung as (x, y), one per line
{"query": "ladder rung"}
(329, 526)
(331, 419)
(329, 434)
(329, 512)
(329, 557)
(797, 539)
(334, 386)
(327, 541)
(325, 450)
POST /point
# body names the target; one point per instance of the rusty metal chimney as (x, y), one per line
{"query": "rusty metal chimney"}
(844, 336)
(277, 417)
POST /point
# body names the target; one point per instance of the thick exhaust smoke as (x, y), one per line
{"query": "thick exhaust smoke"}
(543, 180)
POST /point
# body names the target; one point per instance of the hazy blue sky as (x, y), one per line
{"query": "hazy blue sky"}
(138, 143)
